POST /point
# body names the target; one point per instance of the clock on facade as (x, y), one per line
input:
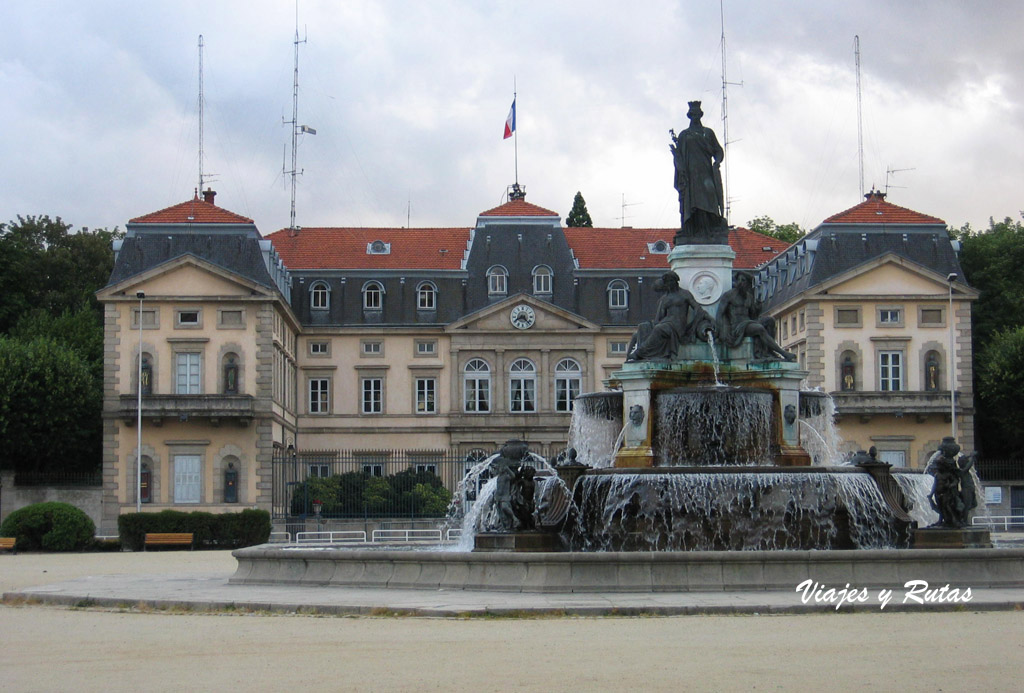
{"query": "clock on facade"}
(522, 317)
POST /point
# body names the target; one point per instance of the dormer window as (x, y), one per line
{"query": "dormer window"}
(542, 279)
(659, 247)
(497, 281)
(319, 296)
(426, 296)
(378, 248)
(373, 296)
(618, 295)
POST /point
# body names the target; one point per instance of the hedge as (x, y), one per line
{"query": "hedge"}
(49, 527)
(209, 530)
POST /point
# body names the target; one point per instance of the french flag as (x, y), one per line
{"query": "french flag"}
(510, 122)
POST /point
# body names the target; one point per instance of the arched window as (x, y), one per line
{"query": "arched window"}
(568, 381)
(932, 371)
(618, 295)
(232, 467)
(373, 296)
(476, 379)
(542, 279)
(848, 371)
(319, 296)
(426, 296)
(497, 281)
(522, 387)
(231, 371)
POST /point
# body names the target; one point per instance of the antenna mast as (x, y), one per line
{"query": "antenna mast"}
(200, 112)
(725, 118)
(294, 122)
(860, 129)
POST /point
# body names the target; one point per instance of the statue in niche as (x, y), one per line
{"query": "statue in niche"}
(147, 376)
(848, 380)
(739, 316)
(953, 493)
(231, 377)
(931, 373)
(514, 503)
(698, 178)
(679, 320)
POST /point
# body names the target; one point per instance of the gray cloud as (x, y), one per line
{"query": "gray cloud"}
(409, 98)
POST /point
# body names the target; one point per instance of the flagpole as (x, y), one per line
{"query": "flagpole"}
(515, 133)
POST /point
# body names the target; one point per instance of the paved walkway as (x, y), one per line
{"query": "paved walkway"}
(127, 648)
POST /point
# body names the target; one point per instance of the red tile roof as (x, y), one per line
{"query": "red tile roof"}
(875, 210)
(518, 208)
(628, 248)
(345, 248)
(195, 211)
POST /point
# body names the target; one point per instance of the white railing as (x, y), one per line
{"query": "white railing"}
(354, 536)
(405, 535)
(453, 534)
(1004, 521)
(287, 537)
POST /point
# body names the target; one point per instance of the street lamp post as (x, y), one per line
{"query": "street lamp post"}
(141, 295)
(952, 277)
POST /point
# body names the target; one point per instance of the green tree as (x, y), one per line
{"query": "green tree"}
(50, 408)
(47, 267)
(790, 233)
(992, 261)
(1000, 387)
(578, 215)
(78, 330)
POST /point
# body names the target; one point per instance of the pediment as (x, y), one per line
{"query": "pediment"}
(541, 315)
(890, 275)
(186, 276)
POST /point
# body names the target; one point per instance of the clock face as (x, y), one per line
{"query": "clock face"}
(522, 317)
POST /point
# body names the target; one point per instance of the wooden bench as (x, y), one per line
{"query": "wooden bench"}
(168, 539)
(7, 543)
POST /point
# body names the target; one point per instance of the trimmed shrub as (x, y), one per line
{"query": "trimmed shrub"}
(49, 527)
(209, 530)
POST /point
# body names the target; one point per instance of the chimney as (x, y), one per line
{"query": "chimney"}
(208, 195)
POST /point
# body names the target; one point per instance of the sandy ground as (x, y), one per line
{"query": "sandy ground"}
(53, 649)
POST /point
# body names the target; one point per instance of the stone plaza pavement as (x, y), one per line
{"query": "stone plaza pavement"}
(171, 619)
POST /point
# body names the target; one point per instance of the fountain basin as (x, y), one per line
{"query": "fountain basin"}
(567, 572)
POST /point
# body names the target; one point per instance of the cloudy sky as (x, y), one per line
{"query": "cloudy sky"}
(100, 116)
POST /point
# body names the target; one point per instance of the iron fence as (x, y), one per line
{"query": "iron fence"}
(1000, 470)
(348, 484)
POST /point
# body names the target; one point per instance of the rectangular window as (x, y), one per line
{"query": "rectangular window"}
(319, 348)
(802, 324)
(889, 316)
(522, 395)
(426, 348)
(496, 283)
(426, 468)
(618, 296)
(896, 458)
(187, 478)
(478, 394)
(425, 391)
(848, 317)
(373, 469)
(792, 325)
(566, 390)
(319, 471)
(187, 373)
(188, 318)
(542, 283)
(373, 390)
(617, 348)
(890, 371)
(373, 348)
(785, 329)
(319, 395)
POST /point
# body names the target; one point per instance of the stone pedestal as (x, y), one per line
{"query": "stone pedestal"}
(705, 271)
(517, 542)
(943, 538)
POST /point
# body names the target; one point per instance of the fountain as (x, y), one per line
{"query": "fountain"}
(704, 466)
